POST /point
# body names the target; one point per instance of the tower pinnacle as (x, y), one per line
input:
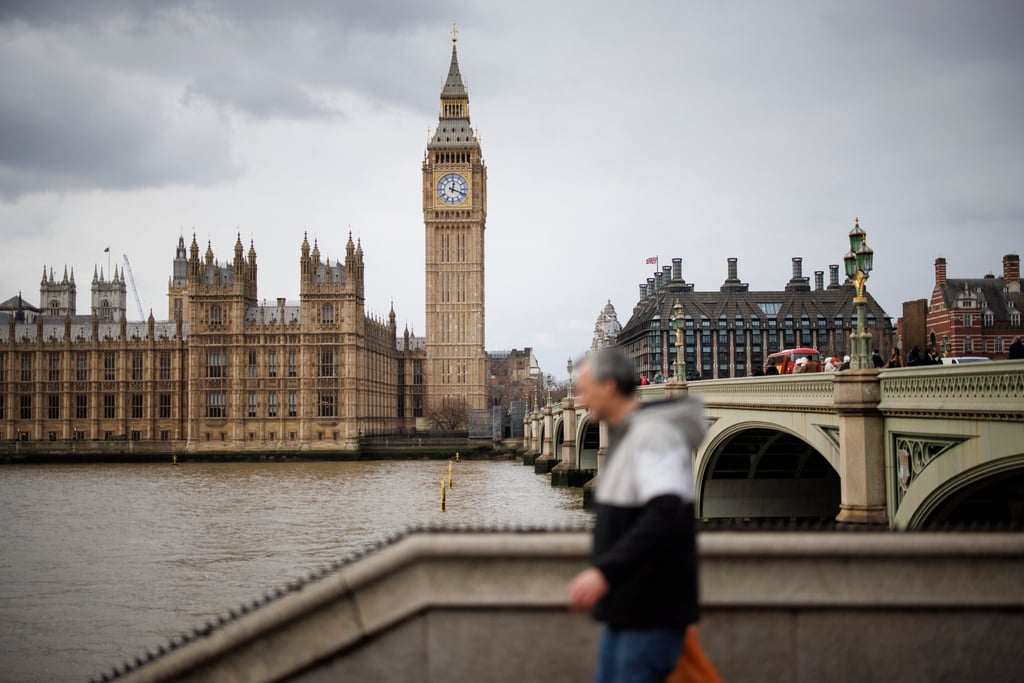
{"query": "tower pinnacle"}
(454, 88)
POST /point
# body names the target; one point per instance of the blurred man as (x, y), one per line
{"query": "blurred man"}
(643, 582)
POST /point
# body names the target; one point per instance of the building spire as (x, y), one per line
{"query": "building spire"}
(453, 85)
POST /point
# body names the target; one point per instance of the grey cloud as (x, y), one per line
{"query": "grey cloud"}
(386, 14)
(263, 95)
(66, 129)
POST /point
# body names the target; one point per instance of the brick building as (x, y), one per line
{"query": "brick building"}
(975, 316)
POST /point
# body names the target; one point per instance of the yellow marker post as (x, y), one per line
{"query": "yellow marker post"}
(174, 459)
(449, 474)
(456, 456)
(442, 494)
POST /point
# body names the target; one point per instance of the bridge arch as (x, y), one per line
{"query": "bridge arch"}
(558, 437)
(588, 441)
(990, 492)
(761, 469)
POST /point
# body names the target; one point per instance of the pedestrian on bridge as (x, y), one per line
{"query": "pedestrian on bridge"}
(1016, 349)
(643, 582)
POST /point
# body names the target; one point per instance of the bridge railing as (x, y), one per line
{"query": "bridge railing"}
(972, 391)
(810, 392)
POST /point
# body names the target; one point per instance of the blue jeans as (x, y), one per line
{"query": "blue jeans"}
(638, 656)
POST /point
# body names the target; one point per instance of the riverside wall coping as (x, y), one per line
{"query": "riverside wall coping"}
(347, 605)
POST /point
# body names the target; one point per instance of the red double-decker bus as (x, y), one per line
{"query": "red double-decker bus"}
(785, 362)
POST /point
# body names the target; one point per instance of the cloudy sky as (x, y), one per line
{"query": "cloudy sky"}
(612, 132)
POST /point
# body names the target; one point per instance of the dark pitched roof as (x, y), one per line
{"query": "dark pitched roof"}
(826, 303)
(18, 302)
(987, 291)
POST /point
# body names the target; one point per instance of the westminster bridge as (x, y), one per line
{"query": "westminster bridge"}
(908, 448)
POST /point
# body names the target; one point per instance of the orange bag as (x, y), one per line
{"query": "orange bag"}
(693, 665)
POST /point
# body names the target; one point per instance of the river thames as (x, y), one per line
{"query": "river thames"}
(100, 562)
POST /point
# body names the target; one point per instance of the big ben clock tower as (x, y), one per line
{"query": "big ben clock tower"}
(454, 214)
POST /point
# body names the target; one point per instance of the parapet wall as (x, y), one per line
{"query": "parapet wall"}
(491, 606)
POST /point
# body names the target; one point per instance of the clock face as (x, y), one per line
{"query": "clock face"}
(452, 189)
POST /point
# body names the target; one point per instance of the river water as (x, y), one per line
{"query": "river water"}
(100, 562)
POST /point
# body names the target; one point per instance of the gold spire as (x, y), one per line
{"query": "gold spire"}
(455, 33)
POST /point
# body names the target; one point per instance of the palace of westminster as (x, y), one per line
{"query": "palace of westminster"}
(226, 372)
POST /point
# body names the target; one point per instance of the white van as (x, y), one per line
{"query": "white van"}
(965, 359)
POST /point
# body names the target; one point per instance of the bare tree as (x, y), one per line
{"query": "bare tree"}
(448, 414)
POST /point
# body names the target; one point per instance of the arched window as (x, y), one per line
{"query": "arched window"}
(216, 316)
(327, 314)
(54, 307)
(105, 314)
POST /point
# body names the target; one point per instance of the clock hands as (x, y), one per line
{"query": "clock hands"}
(453, 189)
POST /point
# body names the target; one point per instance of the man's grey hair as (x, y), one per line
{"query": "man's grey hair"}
(613, 365)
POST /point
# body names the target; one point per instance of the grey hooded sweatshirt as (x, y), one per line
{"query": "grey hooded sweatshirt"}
(644, 538)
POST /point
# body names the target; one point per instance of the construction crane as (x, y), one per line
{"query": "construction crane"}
(135, 290)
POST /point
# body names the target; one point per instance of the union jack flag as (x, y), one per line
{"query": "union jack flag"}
(652, 259)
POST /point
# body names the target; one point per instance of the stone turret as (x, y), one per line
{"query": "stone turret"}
(109, 297)
(607, 328)
(252, 261)
(179, 273)
(57, 298)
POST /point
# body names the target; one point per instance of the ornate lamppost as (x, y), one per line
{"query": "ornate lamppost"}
(568, 367)
(859, 261)
(679, 367)
(548, 381)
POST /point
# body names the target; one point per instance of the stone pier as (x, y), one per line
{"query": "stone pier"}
(566, 472)
(861, 449)
(546, 462)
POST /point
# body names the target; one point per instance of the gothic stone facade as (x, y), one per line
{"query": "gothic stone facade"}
(454, 215)
(225, 373)
(321, 373)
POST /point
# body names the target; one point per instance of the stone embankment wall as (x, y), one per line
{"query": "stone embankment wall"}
(490, 606)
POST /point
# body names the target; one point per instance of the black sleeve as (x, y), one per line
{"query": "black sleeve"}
(664, 520)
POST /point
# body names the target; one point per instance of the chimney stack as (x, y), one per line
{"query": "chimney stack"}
(643, 291)
(677, 269)
(666, 275)
(940, 271)
(1011, 273)
(798, 283)
(833, 276)
(650, 286)
(658, 282)
(732, 282)
(819, 280)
